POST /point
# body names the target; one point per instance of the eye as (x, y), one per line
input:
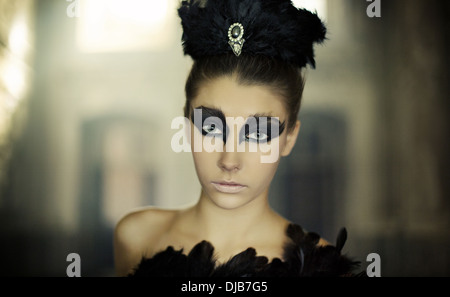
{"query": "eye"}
(211, 129)
(256, 136)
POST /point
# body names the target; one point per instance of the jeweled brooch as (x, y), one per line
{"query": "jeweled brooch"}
(235, 36)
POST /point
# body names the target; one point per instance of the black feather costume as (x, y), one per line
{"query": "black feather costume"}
(302, 257)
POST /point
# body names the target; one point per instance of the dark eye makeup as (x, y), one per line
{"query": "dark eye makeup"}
(211, 123)
(257, 129)
(261, 129)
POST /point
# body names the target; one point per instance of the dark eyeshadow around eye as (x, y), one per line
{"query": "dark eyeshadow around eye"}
(209, 117)
(261, 125)
(214, 123)
(213, 116)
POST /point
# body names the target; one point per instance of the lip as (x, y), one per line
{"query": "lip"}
(228, 187)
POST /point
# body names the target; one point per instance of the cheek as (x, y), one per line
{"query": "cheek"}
(283, 143)
(261, 173)
(204, 163)
(283, 140)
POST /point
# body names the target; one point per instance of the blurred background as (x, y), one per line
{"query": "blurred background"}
(88, 90)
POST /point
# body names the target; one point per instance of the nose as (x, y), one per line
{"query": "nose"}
(230, 159)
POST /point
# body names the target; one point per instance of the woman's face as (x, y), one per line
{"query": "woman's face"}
(231, 170)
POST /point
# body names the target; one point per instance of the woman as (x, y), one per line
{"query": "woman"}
(242, 99)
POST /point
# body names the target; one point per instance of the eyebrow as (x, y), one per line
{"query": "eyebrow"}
(217, 112)
(210, 111)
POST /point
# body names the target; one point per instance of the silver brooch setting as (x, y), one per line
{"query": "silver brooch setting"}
(235, 36)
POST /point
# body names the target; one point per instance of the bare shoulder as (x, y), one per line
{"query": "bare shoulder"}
(148, 221)
(134, 234)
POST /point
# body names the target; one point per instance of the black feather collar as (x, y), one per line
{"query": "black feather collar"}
(302, 257)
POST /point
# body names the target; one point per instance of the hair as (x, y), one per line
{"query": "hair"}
(284, 79)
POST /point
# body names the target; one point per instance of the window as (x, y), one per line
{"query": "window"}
(125, 25)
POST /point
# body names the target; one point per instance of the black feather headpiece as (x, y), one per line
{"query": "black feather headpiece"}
(273, 28)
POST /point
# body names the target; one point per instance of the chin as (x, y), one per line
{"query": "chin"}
(229, 201)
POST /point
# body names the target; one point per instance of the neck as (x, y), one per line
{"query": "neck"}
(227, 225)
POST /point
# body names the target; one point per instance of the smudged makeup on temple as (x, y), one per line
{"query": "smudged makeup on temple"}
(255, 129)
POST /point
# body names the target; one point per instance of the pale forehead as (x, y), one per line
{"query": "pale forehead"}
(237, 100)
